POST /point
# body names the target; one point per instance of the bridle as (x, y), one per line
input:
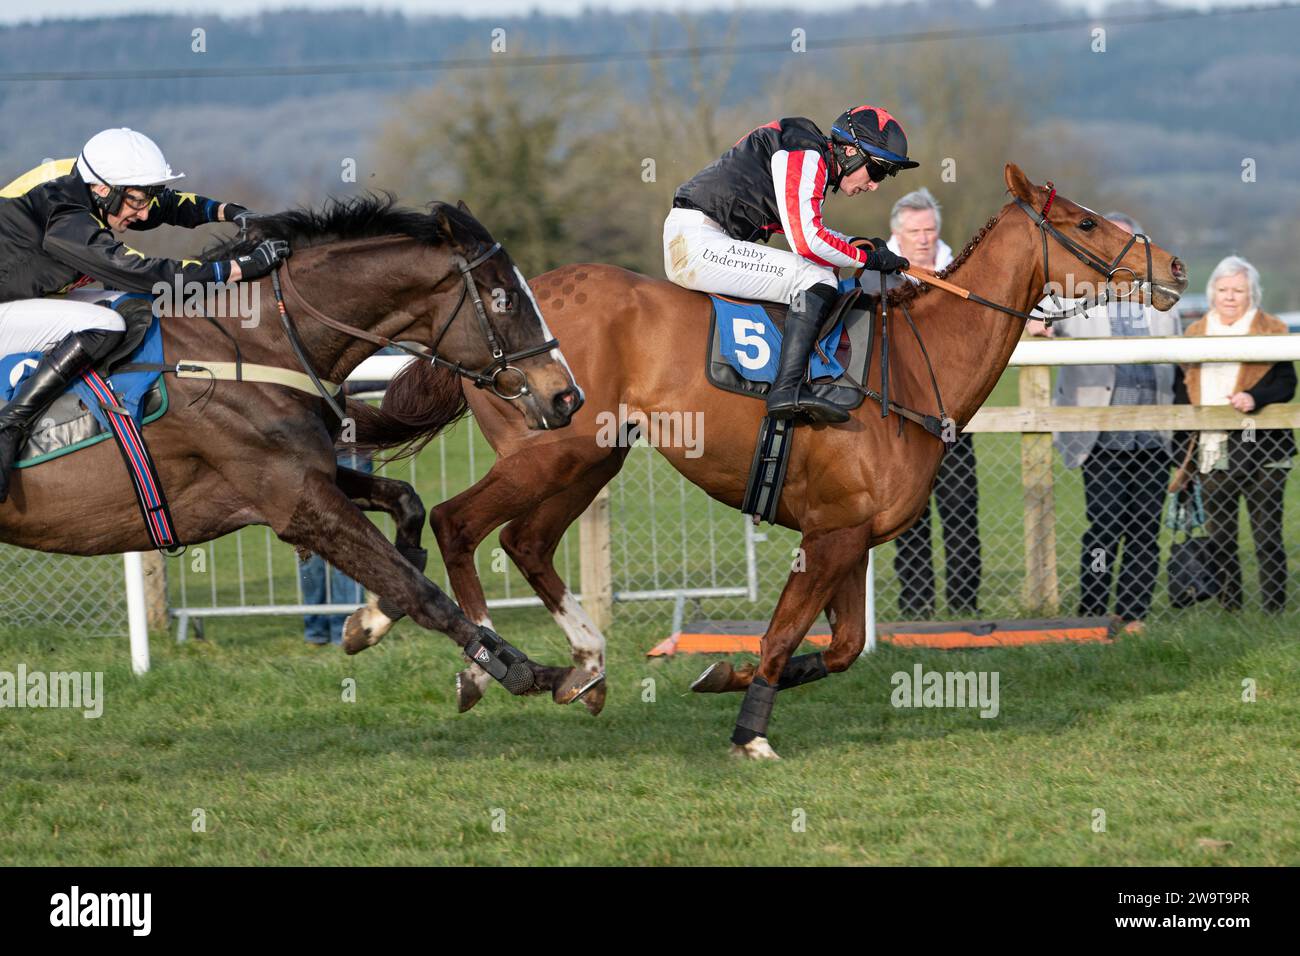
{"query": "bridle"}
(485, 377)
(1089, 258)
(1084, 255)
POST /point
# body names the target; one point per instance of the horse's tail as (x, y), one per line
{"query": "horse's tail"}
(421, 400)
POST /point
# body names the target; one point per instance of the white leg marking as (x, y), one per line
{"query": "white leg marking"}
(584, 637)
(374, 620)
(756, 749)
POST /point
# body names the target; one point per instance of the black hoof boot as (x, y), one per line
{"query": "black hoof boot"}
(508, 665)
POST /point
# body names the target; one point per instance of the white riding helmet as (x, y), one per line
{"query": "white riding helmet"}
(123, 157)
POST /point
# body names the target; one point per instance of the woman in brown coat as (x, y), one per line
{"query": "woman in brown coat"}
(1246, 463)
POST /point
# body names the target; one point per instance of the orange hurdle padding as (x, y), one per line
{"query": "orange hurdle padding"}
(738, 637)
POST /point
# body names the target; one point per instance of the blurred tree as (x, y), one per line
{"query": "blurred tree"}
(508, 144)
(965, 118)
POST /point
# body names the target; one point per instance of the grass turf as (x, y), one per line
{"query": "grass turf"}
(251, 728)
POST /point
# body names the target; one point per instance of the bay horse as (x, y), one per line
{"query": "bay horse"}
(232, 454)
(641, 342)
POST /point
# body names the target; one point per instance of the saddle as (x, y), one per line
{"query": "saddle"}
(96, 407)
(845, 361)
(837, 373)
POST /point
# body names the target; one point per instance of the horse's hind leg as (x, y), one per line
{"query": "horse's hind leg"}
(531, 540)
(327, 522)
(847, 613)
(368, 625)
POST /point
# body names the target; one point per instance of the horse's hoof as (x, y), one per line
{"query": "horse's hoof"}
(365, 627)
(594, 699)
(576, 683)
(356, 636)
(756, 749)
(715, 678)
(468, 693)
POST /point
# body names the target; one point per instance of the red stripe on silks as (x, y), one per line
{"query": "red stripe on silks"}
(793, 175)
(836, 243)
(775, 124)
(793, 185)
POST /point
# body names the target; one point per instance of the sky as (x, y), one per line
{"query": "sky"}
(11, 12)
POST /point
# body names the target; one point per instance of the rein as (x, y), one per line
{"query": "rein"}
(486, 377)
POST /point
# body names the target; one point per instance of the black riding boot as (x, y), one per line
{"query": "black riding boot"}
(58, 368)
(801, 326)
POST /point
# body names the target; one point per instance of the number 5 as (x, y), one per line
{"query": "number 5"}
(762, 351)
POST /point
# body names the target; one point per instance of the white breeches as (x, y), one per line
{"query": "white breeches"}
(699, 255)
(36, 325)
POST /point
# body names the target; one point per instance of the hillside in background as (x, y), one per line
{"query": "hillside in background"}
(1159, 122)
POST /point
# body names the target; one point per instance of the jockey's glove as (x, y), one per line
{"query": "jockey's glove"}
(883, 260)
(263, 259)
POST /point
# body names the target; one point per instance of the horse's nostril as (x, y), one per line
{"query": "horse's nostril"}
(567, 400)
(1178, 269)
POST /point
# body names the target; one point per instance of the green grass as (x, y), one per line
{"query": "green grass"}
(250, 726)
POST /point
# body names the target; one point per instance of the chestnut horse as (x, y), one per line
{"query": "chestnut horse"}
(232, 454)
(640, 342)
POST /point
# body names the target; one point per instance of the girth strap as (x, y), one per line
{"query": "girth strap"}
(233, 372)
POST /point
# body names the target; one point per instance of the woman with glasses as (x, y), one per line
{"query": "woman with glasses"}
(62, 233)
(775, 180)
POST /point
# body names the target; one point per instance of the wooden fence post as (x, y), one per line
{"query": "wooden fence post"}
(597, 570)
(155, 590)
(1040, 592)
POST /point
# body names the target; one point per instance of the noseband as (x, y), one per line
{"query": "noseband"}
(485, 377)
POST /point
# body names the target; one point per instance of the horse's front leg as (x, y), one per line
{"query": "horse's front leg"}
(828, 557)
(847, 614)
(368, 625)
(328, 523)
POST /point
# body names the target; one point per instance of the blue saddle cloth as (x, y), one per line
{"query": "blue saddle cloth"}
(751, 342)
(130, 387)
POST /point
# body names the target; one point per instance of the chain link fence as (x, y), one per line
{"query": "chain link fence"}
(71, 594)
(1011, 532)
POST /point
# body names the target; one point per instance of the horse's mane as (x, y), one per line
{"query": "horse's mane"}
(911, 290)
(365, 216)
(422, 399)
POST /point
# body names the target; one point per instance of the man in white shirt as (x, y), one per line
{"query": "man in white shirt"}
(914, 224)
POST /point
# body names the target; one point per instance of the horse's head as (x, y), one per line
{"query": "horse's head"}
(1085, 251)
(498, 328)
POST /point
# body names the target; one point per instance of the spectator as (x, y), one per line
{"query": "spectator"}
(914, 225)
(1124, 472)
(1241, 464)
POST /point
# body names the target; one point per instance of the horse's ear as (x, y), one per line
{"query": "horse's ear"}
(460, 204)
(442, 219)
(1019, 183)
